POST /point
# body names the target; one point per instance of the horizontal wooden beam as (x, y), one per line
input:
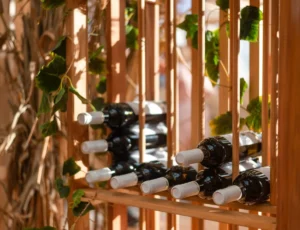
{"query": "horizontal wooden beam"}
(185, 209)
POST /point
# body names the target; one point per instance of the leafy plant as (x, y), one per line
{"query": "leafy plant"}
(243, 88)
(223, 4)
(52, 4)
(62, 189)
(70, 167)
(43, 228)
(212, 52)
(249, 28)
(222, 124)
(56, 86)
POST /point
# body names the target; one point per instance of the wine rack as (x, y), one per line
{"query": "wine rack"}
(231, 215)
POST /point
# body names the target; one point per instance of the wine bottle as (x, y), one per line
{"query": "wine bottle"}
(118, 115)
(214, 151)
(174, 175)
(121, 141)
(211, 179)
(106, 173)
(250, 187)
(145, 171)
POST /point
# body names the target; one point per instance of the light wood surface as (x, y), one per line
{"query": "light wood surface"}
(76, 60)
(289, 112)
(201, 212)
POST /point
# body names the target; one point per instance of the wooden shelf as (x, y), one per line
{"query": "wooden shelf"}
(133, 198)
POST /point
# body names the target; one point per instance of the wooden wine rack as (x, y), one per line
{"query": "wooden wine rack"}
(281, 212)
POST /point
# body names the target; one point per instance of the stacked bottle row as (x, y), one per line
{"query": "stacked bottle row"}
(182, 180)
(123, 141)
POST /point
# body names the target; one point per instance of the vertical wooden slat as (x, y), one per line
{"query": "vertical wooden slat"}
(234, 78)
(152, 50)
(224, 89)
(274, 95)
(254, 70)
(116, 44)
(142, 90)
(288, 207)
(234, 66)
(265, 94)
(76, 60)
(170, 89)
(152, 79)
(254, 60)
(116, 84)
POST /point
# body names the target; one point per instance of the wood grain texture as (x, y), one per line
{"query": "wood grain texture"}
(116, 84)
(224, 89)
(274, 99)
(254, 71)
(235, 83)
(265, 88)
(76, 60)
(289, 114)
(185, 209)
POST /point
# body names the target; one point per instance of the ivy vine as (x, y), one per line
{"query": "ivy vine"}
(249, 29)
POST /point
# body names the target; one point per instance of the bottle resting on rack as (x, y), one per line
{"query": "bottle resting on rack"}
(211, 179)
(174, 175)
(106, 173)
(214, 151)
(250, 187)
(121, 141)
(145, 171)
(118, 115)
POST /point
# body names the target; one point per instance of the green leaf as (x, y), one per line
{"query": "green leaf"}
(44, 105)
(52, 4)
(61, 188)
(223, 4)
(76, 197)
(61, 100)
(101, 86)
(49, 128)
(81, 98)
(97, 52)
(132, 37)
(102, 184)
(243, 88)
(98, 103)
(190, 25)
(253, 120)
(97, 65)
(61, 47)
(249, 28)
(70, 167)
(42, 228)
(82, 208)
(212, 54)
(222, 124)
(48, 78)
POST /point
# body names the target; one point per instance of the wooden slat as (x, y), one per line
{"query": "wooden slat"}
(170, 88)
(201, 212)
(142, 92)
(152, 51)
(265, 94)
(274, 96)
(234, 66)
(116, 44)
(254, 63)
(254, 70)
(76, 60)
(152, 79)
(224, 89)
(116, 84)
(289, 122)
